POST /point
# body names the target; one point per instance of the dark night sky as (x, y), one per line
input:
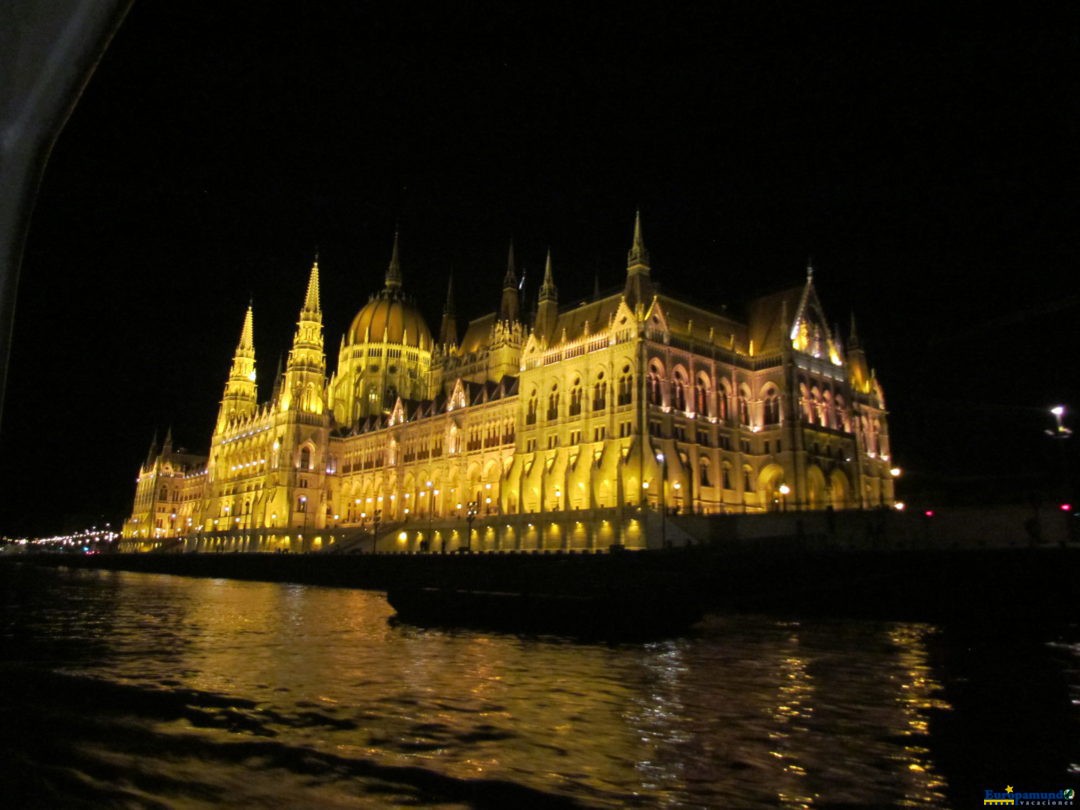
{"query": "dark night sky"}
(927, 163)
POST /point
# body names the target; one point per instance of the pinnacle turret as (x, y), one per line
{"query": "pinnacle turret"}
(639, 290)
(637, 259)
(393, 272)
(548, 290)
(510, 306)
(311, 299)
(448, 330)
(247, 333)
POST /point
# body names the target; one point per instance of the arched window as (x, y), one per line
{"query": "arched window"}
(655, 383)
(678, 390)
(701, 396)
(818, 406)
(725, 476)
(703, 467)
(723, 398)
(828, 415)
(772, 407)
(553, 403)
(599, 401)
(305, 458)
(744, 406)
(843, 416)
(575, 397)
(530, 414)
(626, 386)
(748, 479)
(806, 403)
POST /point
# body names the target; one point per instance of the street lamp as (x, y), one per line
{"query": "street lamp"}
(376, 516)
(785, 490)
(1060, 433)
(661, 499)
(430, 509)
(470, 516)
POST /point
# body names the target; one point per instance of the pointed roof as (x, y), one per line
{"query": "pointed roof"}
(637, 258)
(548, 290)
(448, 307)
(393, 272)
(247, 333)
(448, 329)
(510, 279)
(311, 298)
(639, 290)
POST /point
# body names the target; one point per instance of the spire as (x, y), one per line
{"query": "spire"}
(853, 336)
(809, 268)
(277, 382)
(547, 309)
(548, 291)
(311, 299)
(510, 307)
(247, 333)
(510, 279)
(166, 448)
(639, 289)
(448, 330)
(637, 259)
(152, 452)
(393, 272)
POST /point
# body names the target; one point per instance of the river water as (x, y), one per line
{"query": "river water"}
(135, 690)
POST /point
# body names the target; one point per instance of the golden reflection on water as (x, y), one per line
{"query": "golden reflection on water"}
(753, 712)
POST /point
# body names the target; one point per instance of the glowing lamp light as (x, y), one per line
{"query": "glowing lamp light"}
(1066, 507)
(928, 513)
(899, 506)
(895, 472)
(785, 489)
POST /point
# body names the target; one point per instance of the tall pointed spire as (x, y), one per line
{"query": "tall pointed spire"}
(393, 272)
(247, 333)
(510, 306)
(637, 259)
(547, 309)
(241, 394)
(639, 289)
(305, 370)
(311, 299)
(853, 335)
(166, 448)
(548, 290)
(448, 330)
(510, 279)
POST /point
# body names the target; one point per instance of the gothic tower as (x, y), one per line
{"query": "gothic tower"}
(241, 398)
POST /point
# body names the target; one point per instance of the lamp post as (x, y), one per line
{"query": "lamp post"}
(661, 500)
(430, 509)
(784, 490)
(1060, 433)
(470, 516)
(376, 516)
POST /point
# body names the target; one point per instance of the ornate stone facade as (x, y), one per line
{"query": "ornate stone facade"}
(567, 432)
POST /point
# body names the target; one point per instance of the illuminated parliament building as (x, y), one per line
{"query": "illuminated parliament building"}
(576, 428)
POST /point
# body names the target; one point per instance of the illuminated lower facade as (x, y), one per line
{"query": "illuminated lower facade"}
(573, 431)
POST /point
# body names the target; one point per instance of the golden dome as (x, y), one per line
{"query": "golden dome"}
(391, 315)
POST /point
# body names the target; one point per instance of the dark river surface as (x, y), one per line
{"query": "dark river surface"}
(135, 690)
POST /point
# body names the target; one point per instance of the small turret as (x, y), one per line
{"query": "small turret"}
(548, 304)
(510, 307)
(241, 395)
(393, 272)
(305, 372)
(639, 288)
(448, 329)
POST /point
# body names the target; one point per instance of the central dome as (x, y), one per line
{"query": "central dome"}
(389, 318)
